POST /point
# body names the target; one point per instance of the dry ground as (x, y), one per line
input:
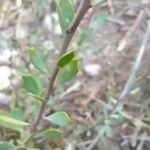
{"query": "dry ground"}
(113, 47)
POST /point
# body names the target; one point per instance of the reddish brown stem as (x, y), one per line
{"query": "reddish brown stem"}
(81, 11)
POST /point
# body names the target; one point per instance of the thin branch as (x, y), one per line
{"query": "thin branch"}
(129, 137)
(128, 86)
(141, 144)
(7, 64)
(83, 8)
(110, 4)
(133, 73)
(94, 142)
(3, 11)
(125, 39)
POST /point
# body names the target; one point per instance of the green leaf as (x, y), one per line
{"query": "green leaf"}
(69, 71)
(110, 99)
(36, 59)
(59, 118)
(66, 58)
(116, 118)
(66, 11)
(50, 134)
(12, 123)
(16, 113)
(105, 131)
(5, 146)
(30, 84)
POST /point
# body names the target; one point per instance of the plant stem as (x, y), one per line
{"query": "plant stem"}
(127, 87)
(81, 11)
(131, 78)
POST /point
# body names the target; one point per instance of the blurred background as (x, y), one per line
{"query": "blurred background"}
(107, 41)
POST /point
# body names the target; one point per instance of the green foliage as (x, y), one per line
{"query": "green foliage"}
(116, 118)
(68, 64)
(30, 84)
(5, 146)
(66, 58)
(12, 123)
(49, 134)
(110, 99)
(69, 71)
(105, 131)
(36, 59)
(16, 113)
(59, 118)
(66, 13)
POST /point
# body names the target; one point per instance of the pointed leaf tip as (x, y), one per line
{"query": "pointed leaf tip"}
(59, 118)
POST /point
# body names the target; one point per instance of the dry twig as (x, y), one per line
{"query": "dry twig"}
(110, 4)
(134, 70)
(124, 41)
(128, 85)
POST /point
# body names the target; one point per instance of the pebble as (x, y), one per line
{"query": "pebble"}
(4, 100)
(92, 70)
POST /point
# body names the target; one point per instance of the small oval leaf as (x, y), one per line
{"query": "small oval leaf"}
(68, 72)
(36, 59)
(12, 123)
(59, 118)
(30, 84)
(66, 58)
(66, 13)
(50, 134)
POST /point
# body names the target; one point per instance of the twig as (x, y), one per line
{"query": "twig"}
(110, 4)
(7, 64)
(128, 86)
(136, 66)
(83, 144)
(94, 142)
(141, 144)
(129, 137)
(3, 11)
(83, 8)
(124, 40)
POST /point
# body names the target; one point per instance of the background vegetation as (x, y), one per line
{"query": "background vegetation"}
(105, 105)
